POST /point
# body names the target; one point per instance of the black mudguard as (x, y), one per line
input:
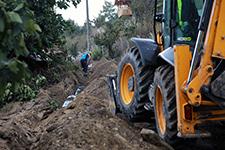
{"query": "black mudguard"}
(150, 53)
(148, 49)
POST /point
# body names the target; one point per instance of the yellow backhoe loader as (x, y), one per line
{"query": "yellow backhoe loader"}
(180, 75)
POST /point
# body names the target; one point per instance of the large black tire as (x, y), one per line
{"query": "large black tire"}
(143, 76)
(164, 82)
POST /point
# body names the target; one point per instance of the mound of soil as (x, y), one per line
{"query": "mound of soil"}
(102, 68)
(86, 124)
(19, 122)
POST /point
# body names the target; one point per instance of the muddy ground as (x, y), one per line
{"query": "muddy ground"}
(88, 123)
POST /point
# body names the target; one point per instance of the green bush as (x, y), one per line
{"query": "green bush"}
(96, 54)
(7, 95)
(38, 82)
(16, 25)
(54, 104)
(20, 92)
(23, 91)
(27, 27)
(70, 66)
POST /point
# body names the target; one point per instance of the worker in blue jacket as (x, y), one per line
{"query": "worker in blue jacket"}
(84, 61)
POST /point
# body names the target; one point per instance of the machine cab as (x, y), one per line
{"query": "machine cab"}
(178, 20)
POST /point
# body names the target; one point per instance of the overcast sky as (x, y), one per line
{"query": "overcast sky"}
(79, 14)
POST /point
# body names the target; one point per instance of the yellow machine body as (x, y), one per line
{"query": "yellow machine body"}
(190, 103)
(189, 97)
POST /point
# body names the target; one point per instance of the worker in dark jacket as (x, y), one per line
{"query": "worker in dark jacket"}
(84, 61)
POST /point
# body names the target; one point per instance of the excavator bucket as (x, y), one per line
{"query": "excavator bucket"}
(124, 10)
(112, 83)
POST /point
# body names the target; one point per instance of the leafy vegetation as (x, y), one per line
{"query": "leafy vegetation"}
(53, 104)
(112, 28)
(35, 41)
(74, 33)
(16, 25)
(27, 30)
(143, 16)
(21, 91)
(52, 24)
(97, 54)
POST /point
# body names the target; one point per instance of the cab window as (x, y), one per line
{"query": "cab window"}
(188, 17)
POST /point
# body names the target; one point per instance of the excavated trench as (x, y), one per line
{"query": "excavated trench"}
(87, 122)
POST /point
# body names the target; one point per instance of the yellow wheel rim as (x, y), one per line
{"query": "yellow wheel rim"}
(126, 92)
(160, 113)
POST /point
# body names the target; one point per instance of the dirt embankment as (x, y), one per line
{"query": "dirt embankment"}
(86, 124)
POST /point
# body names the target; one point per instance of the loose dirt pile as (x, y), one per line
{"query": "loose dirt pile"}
(20, 122)
(86, 124)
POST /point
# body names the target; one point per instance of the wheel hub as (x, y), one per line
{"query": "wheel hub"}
(131, 84)
(160, 111)
(127, 84)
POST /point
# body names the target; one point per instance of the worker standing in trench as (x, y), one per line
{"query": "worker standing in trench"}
(85, 61)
